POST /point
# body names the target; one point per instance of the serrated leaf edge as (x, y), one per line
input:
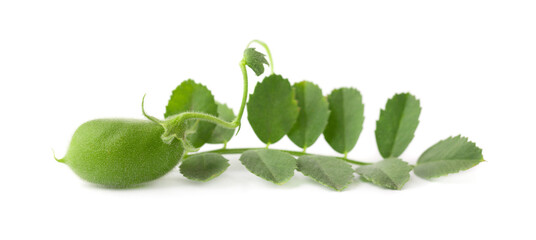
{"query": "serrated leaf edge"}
(194, 82)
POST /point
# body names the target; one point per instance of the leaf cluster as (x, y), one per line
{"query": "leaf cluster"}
(303, 113)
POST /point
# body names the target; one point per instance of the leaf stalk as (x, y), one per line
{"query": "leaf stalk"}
(295, 153)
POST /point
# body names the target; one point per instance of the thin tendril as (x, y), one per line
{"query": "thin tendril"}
(153, 119)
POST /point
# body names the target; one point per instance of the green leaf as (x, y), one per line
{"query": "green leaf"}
(193, 97)
(255, 60)
(397, 124)
(391, 173)
(329, 171)
(272, 165)
(346, 119)
(272, 109)
(203, 167)
(313, 114)
(221, 134)
(451, 155)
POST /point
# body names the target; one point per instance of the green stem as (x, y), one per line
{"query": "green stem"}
(267, 52)
(208, 118)
(221, 122)
(295, 153)
(244, 93)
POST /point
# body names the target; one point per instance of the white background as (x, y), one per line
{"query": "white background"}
(471, 63)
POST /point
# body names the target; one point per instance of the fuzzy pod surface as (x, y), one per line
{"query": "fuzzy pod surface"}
(121, 152)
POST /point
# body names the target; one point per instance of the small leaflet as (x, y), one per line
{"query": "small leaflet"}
(346, 119)
(255, 60)
(272, 165)
(390, 173)
(328, 171)
(221, 134)
(397, 124)
(272, 109)
(190, 96)
(451, 155)
(313, 115)
(203, 167)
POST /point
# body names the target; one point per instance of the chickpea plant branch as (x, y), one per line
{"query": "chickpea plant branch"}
(125, 152)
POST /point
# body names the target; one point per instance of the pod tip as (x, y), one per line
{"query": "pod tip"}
(54, 155)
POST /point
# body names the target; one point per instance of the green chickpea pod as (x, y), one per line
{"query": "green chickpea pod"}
(121, 152)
